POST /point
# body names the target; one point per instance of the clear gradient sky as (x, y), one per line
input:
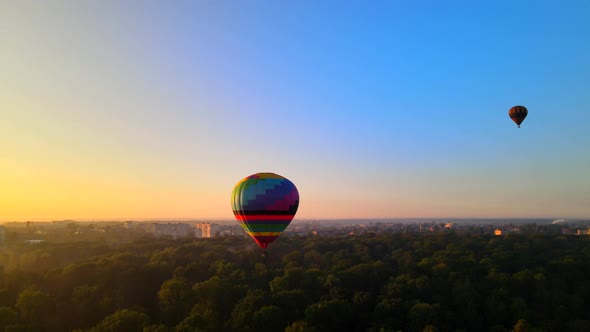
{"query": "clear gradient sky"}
(155, 109)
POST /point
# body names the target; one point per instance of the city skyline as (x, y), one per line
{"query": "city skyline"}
(116, 111)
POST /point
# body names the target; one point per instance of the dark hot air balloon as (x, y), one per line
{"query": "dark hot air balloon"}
(264, 204)
(517, 114)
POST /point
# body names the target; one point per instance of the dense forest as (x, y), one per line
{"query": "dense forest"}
(384, 282)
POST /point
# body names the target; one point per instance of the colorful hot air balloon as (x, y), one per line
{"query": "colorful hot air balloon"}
(517, 114)
(264, 204)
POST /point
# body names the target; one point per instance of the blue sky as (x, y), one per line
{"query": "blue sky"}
(376, 109)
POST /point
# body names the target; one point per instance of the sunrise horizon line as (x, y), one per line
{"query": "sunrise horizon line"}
(229, 219)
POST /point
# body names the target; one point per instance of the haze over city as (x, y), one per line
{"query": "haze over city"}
(144, 110)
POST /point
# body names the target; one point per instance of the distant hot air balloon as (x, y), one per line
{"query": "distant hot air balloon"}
(517, 114)
(264, 204)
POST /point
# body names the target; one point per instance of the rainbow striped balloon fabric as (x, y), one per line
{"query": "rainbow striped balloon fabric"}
(264, 204)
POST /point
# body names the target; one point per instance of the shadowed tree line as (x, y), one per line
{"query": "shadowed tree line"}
(389, 282)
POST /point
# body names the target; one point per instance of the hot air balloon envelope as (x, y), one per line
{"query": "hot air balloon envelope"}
(264, 204)
(517, 114)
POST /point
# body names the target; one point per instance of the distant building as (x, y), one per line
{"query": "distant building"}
(34, 241)
(450, 225)
(498, 232)
(62, 223)
(567, 231)
(206, 230)
(174, 230)
(583, 231)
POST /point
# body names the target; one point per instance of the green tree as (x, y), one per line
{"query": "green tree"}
(157, 328)
(293, 302)
(32, 304)
(423, 314)
(293, 259)
(217, 297)
(268, 318)
(241, 316)
(175, 298)
(8, 317)
(313, 259)
(86, 305)
(330, 316)
(299, 326)
(522, 326)
(123, 320)
(389, 313)
(195, 322)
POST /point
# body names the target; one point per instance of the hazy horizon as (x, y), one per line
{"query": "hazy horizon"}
(306, 220)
